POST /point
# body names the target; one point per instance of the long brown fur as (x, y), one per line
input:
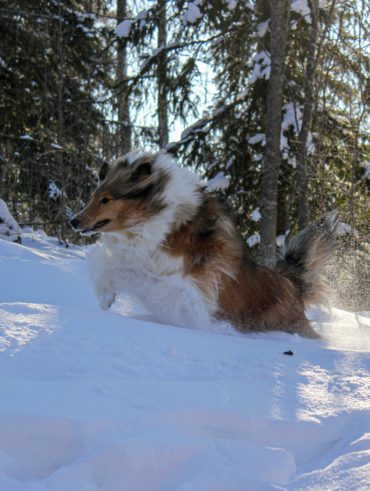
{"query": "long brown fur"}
(250, 296)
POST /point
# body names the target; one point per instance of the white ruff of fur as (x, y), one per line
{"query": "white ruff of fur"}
(132, 261)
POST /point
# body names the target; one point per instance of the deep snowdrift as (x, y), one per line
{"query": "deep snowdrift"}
(95, 400)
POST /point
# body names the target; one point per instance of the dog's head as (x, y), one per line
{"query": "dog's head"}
(129, 193)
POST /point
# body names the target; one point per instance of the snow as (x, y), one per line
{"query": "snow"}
(261, 67)
(256, 215)
(26, 137)
(231, 4)
(292, 118)
(254, 240)
(141, 17)
(343, 229)
(366, 166)
(219, 182)
(9, 228)
(53, 191)
(262, 28)
(193, 12)
(280, 240)
(301, 7)
(110, 401)
(230, 162)
(257, 138)
(123, 29)
(56, 146)
(310, 145)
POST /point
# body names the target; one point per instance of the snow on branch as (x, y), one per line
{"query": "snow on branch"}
(254, 240)
(192, 13)
(256, 215)
(262, 28)
(292, 119)
(257, 138)
(219, 182)
(9, 228)
(200, 126)
(231, 4)
(366, 166)
(123, 29)
(301, 7)
(261, 67)
(53, 191)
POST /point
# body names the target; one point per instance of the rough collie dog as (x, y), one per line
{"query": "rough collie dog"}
(168, 241)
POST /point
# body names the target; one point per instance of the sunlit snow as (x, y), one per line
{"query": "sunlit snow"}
(112, 401)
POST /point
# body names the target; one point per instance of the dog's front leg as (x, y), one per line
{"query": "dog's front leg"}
(103, 289)
(101, 277)
(105, 295)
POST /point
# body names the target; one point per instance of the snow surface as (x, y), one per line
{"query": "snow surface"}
(109, 401)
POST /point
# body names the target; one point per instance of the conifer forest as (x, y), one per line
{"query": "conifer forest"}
(268, 100)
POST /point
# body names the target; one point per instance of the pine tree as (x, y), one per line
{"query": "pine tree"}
(49, 120)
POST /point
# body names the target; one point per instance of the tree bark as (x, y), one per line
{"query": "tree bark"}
(280, 15)
(162, 76)
(123, 103)
(61, 126)
(302, 175)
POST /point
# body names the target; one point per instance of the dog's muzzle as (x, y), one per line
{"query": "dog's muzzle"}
(76, 225)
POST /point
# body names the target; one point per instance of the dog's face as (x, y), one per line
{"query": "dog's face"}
(128, 194)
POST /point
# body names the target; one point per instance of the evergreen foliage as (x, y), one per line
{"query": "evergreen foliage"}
(83, 79)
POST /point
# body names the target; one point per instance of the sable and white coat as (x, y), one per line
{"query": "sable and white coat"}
(167, 241)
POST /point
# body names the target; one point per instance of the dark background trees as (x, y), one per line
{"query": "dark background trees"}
(282, 133)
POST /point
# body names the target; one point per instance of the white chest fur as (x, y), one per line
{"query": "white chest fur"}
(138, 254)
(134, 263)
(130, 264)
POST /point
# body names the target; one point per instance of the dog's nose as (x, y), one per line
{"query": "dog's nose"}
(74, 223)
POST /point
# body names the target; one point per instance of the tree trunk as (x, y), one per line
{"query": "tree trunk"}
(61, 127)
(2, 175)
(280, 15)
(123, 103)
(283, 206)
(162, 76)
(302, 177)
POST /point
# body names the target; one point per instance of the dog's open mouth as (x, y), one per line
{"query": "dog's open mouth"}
(97, 226)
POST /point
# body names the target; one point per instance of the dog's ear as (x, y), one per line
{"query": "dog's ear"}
(103, 171)
(143, 170)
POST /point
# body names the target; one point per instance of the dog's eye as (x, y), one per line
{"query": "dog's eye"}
(104, 201)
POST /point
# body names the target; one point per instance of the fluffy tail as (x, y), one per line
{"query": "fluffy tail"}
(306, 257)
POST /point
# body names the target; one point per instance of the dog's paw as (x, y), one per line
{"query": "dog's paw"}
(106, 299)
